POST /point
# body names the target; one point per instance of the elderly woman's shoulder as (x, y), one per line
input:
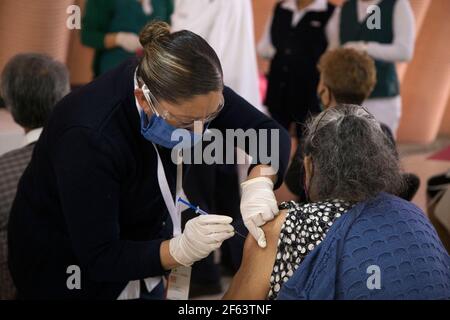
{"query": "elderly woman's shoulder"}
(391, 222)
(388, 207)
(396, 236)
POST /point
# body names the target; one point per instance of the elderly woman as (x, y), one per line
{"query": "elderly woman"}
(353, 239)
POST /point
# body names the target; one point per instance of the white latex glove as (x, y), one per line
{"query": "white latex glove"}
(357, 45)
(202, 235)
(258, 205)
(128, 41)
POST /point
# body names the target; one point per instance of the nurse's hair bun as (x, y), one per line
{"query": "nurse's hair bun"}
(154, 32)
(177, 66)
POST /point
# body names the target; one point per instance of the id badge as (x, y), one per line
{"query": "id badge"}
(178, 283)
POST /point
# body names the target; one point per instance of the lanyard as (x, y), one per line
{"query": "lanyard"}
(180, 278)
(172, 206)
(133, 289)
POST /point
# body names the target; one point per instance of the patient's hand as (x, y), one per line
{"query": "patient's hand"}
(252, 280)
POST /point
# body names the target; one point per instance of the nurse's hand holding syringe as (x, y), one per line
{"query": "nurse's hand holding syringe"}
(201, 236)
(201, 212)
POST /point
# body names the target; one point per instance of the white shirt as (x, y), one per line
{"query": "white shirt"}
(146, 6)
(265, 47)
(227, 26)
(402, 47)
(32, 136)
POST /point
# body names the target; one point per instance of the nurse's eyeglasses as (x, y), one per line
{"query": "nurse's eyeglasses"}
(181, 121)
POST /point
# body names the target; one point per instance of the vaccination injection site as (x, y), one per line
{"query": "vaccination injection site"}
(212, 158)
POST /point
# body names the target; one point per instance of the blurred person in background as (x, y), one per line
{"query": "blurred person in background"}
(438, 205)
(227, 25)
(385, 29)
(347, 76)
(111, 27)
(294, 40)
(31, 85)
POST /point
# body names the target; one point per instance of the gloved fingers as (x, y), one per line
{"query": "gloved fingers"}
(263, 182)
(221, 237)
(274, 207)
(266, 213)
(197, 249)
(213, 219)
(178, 251)
(216, 228)
(200, 238)
(257, 233)
(257, 219)
(198, 235)
(266, 208)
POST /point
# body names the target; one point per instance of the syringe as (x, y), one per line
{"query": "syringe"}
(200, 211)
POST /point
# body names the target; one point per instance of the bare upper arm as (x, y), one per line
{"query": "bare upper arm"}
(253, 278)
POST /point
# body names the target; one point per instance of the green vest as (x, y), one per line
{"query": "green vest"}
(128, 16)
(351, 30)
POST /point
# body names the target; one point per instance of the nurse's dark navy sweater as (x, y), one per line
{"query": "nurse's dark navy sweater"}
(90, 196)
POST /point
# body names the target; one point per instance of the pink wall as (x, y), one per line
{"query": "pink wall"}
(426, 84)
(29, 25)
(37, 26)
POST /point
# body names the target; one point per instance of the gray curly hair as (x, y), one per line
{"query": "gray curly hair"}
(352, 157)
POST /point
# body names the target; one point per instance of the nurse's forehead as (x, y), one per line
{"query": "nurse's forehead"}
(198, 104)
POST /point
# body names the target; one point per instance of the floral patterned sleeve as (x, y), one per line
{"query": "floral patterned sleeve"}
(304, 228)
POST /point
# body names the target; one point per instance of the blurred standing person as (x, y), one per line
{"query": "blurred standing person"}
(347, 76)
(385, 29)
(227, 25)
(294, 40)
(111, 27)
(31, 85)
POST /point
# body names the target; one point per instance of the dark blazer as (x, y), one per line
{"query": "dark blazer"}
(90, 195)
(12, 166)
(293, 75)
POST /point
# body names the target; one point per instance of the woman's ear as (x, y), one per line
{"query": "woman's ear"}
(326, 97)
(139, 94)
(308, 165)
(324, 93)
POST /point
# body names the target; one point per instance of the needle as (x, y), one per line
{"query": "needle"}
(200, 211)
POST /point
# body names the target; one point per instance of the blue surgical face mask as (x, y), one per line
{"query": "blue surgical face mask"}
(155, 129)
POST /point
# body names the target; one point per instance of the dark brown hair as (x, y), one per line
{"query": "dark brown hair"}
(177, 66)
(349, 74)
